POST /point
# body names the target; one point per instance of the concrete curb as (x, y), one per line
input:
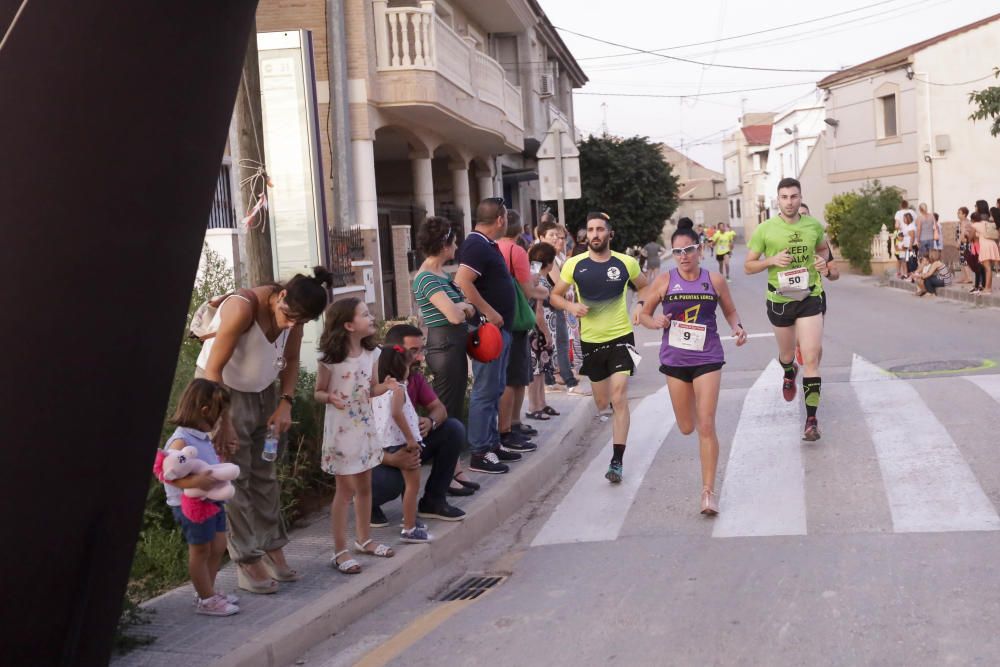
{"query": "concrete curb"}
(296, 633)
(960, 293)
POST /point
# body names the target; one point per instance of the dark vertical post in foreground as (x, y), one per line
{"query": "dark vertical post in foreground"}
(113, 119)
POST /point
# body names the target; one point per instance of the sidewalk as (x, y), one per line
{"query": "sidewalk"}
(955, 292)
(275, 629)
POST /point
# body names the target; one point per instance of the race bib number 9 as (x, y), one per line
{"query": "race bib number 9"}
(793, 280)
(687, 336)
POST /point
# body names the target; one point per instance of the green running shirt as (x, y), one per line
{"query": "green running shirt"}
(800, 239)
(601, 286)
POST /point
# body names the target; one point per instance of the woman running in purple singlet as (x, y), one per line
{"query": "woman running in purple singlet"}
(691, 353)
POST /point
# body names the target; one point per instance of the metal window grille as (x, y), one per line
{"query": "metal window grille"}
(222, 215)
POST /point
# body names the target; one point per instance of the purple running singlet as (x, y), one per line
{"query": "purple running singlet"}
(691, 302)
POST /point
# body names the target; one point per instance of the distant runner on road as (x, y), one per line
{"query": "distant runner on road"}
(796, 253)
(600, 277)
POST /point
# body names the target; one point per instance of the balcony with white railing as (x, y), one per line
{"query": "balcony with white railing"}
(415, 41)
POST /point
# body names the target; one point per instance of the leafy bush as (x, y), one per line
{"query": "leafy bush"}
(836, 212)
(860, 216)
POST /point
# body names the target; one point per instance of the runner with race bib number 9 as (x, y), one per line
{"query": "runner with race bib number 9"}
(691, 353)
(795, 257)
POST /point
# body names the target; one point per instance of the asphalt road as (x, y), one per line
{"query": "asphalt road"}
(874, 546)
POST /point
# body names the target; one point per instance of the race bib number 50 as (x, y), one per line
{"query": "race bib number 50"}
(687, 336)
(793, 280)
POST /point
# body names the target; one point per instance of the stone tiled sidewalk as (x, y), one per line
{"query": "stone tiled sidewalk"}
(955, 292)
(274, 629)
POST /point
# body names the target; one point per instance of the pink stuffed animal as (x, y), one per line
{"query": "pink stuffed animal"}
(178, 463)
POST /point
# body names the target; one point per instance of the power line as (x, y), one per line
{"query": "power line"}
(826, 31)
(748, 34)
(698, 62)
(718, 92)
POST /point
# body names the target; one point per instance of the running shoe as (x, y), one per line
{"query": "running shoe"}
(487, 463)
(788, 385)
(812, 430)
(614, 473)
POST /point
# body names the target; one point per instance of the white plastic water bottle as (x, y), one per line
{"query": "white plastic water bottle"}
(270, 444)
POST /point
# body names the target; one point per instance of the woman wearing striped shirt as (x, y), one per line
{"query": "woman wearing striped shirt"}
(444, 311)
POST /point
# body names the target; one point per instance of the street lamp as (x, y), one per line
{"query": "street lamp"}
(794, 131)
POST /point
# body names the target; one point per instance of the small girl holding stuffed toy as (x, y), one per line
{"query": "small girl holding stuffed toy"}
(345, 383)
(201, 406)
(398, 427)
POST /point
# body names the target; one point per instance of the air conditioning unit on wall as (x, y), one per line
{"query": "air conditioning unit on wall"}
(547, 87)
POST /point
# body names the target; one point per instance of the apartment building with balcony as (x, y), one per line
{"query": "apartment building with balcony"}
(445, 102)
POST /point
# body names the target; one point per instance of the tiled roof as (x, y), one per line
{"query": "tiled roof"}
(758, 135)
(900, 56)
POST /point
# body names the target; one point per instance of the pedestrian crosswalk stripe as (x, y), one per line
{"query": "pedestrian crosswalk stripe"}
(764, 489)
(929, 485)
(988, 383)
(594, 510)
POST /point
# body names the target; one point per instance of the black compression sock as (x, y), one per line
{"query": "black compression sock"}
(789, 369)
(811, 392)
(619, 452)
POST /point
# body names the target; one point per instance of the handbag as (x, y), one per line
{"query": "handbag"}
(990, 231)
(524, 314)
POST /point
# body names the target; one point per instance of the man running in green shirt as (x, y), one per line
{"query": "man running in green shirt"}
(723, 242)
(795, 252)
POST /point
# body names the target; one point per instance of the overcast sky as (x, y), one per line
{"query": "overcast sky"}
(696, 124)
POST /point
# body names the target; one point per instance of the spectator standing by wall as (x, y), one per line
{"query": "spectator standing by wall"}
(444, 311)
(483, 278)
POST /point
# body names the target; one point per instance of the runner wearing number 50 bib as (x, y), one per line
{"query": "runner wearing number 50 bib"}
(691, 353)
(795, 256)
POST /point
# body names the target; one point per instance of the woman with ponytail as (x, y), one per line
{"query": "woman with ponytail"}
(257, 341)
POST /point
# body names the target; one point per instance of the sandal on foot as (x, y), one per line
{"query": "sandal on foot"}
(349, 566)
(549, 410)
(251, 585)
(382, 550)
(538, 414)
(280, 573)
(466, 483)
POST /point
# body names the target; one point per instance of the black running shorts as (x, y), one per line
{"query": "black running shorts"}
(689, 373)
(602, 360)
(785, 314)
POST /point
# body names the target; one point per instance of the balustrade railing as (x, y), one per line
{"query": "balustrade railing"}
(415, 38)
(881, 251)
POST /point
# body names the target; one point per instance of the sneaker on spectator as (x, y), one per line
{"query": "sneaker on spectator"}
(230, 598)
(488, 463)
(416, 522)
(554, 388)
(216, 606)
(379, 520)
(524, 429)
(444, 512)
(416, 535)
(506, 456)
(580, 390)
(514, 442)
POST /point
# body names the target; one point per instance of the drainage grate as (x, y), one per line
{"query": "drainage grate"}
(471, 588)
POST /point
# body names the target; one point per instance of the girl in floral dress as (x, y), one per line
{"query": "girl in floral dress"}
(346, 383)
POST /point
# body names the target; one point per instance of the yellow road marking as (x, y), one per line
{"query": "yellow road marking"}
(986, 364)
(427, 623)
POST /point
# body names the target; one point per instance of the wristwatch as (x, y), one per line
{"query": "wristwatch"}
(434, 423)
(287, 397)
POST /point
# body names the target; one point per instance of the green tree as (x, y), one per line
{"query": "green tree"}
(629, 180)
(988, 103)
(860, 216)
(836, 212)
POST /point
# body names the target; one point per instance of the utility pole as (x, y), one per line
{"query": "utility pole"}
(560, 202)
(604, 124)
(250, 133)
